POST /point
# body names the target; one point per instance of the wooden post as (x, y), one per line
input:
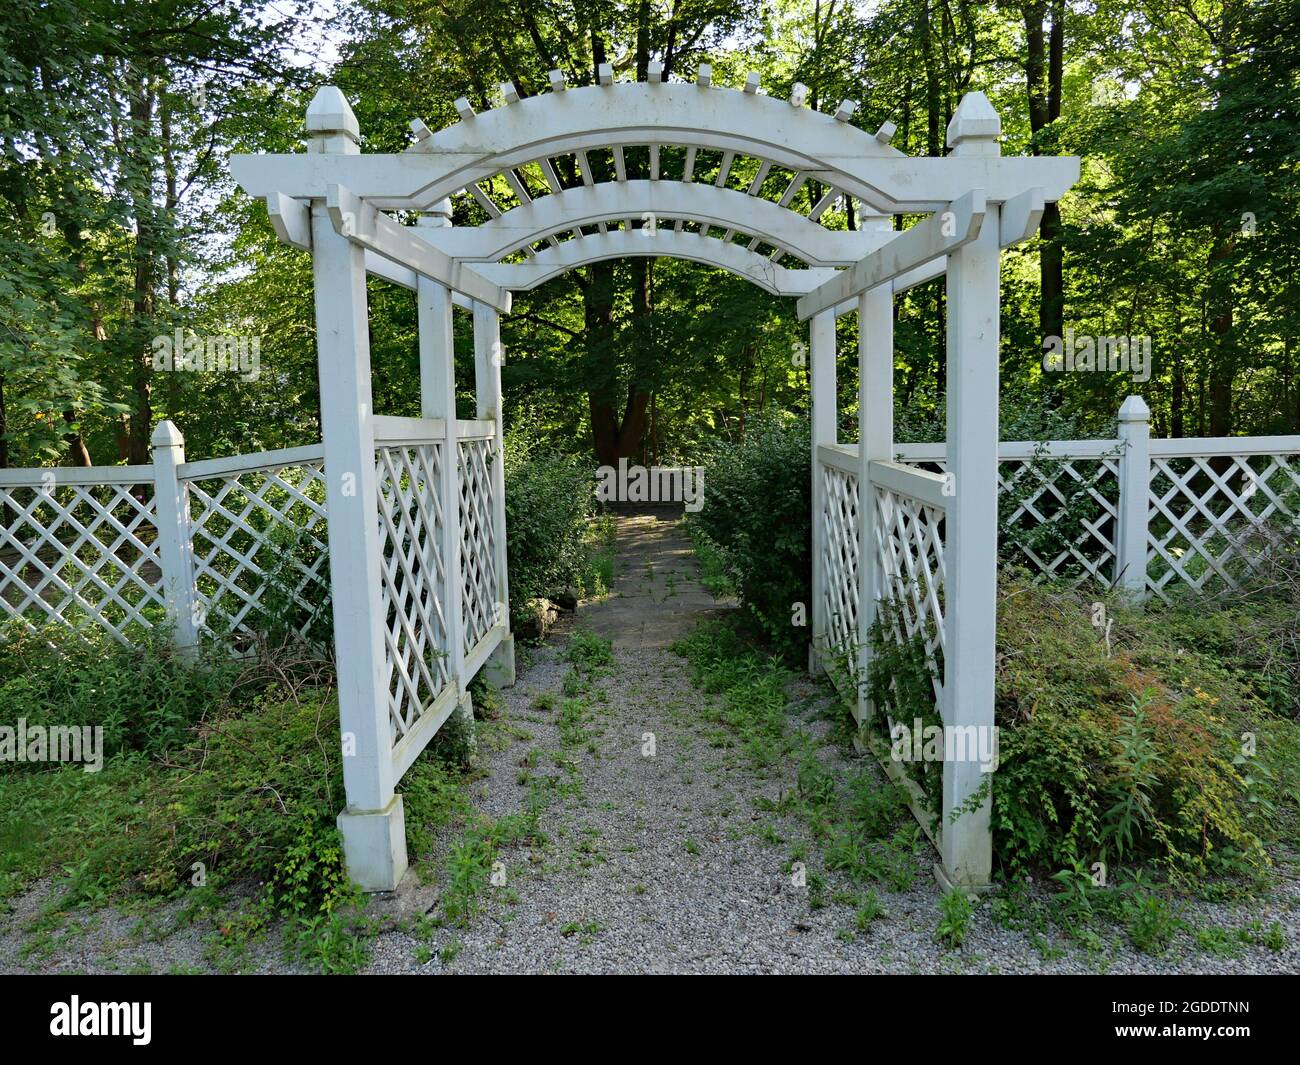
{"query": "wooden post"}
(875, 444)
(438, 400)
(488, 357)
(175, 547)
(1134, 499)
(970, 602)
(821, 338)
(372, 825)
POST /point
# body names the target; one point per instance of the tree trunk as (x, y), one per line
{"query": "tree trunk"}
(143, 296)
(1044, 66)
(1223, 365)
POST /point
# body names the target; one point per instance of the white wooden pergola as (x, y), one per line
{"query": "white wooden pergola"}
(416, 517)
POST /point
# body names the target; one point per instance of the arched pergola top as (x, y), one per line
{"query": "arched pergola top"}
(510, 159)
(619, 115)
(632, 114)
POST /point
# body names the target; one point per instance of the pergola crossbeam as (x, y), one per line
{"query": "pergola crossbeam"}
(941, 233)
(373, 230)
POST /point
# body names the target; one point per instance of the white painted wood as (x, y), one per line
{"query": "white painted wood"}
(971, 535)
(629, 114)
(1021, 216)
(76, 475)
(172, 510)
(821, 369)
(876, 440)
(609, 201)
(839, 456)
(1018, 449)
(360, 223)
(1134, 493)
(205, 469)
(974, 127)
(389, 429)
(1229, 445)
(291, 220)
(331, 125)
(438, 401)
(488, 358)
(940, 234)
(921, 485)
(342, 337)
(696, 247)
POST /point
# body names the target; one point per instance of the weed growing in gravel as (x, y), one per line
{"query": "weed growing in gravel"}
(869, 910)
(573, 713)
(955, 913)
(588, 652)
(1151, 923)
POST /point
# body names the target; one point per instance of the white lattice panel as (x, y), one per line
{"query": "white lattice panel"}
(1056, 516)
(478, 540)
(840, 558)
(414, 579)
(910, 571)
(83, 556)
(259, 532)
(1212, 519)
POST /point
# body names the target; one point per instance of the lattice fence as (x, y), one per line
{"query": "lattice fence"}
(80, 555)
(1214, 518)
(1057, 516)
(414, 578)
(478, 540)
(911, 573)
(260, 549)
(840, 552)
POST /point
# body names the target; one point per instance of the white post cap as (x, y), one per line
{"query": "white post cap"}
(975, 126)
(331, 124)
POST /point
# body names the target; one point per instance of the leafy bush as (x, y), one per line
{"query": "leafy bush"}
(145, 697)
(757, 508)
(549, 498)
(1124, 750)
(256, 798)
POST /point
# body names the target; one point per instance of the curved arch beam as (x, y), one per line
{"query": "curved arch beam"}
(632, 113)
(710, 251)
(613, 200)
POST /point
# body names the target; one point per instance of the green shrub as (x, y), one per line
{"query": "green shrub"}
(1122, 752)
(145, 697)
(255, 799)
(549, 499)
(757, 507)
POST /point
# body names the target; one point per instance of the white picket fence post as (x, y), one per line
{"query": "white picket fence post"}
(373, 824)
(438, 400)
(175, 550)
(488, 356)
(1134, 498)
(971, 528)
(821, 370)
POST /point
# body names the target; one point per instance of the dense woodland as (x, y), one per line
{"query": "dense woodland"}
(119, 222)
